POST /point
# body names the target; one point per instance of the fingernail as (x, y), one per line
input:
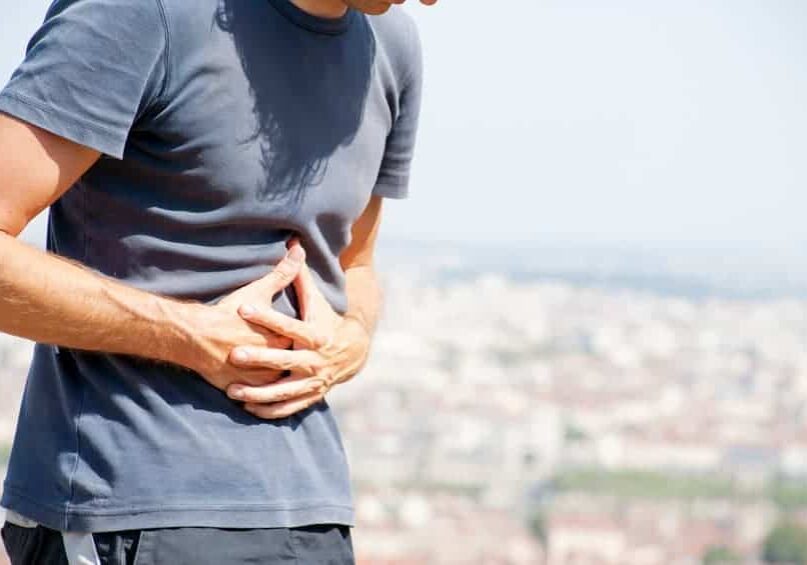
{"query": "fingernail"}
(237, 393)
(296, 253)
(240, 355)
(248, 310)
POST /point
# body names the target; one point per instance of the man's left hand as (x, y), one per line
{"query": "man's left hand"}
(328, 349)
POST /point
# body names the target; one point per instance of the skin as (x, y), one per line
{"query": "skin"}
(313, 361)
(240, 345)
(49, 299)
(337, 8)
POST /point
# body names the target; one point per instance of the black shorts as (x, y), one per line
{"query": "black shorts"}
(329, 544)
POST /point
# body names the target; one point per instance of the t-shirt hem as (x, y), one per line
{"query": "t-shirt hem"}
(75, 519)
(62, 124)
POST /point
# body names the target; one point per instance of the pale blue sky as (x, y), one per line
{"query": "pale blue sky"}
(629, 121)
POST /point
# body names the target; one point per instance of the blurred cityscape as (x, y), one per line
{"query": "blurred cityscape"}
(519, 409)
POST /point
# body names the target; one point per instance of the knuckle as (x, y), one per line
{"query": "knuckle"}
(250, 396)
(258, 395)
(319, 387)
(241, 362)
(286, 270)
(277, 279)
(256, 314)
(257, 360)
(283, 396)
(254, 360)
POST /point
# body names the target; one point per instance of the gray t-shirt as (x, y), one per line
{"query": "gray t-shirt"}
(227, 126)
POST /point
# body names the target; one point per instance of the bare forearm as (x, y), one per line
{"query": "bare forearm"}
(48, 299)
(364, 296)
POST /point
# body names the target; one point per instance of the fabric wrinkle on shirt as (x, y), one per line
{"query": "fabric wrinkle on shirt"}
(226, 127)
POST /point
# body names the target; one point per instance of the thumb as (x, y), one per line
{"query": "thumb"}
(284, 273)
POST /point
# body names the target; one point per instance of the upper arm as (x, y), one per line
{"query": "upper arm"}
(89, 71)
(364, 235)
(393, 176)
(36, 168)
(394, 171)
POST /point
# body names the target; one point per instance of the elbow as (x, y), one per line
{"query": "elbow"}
(7, 233)
(12, 224)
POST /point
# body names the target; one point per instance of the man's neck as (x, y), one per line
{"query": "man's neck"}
(322, 8)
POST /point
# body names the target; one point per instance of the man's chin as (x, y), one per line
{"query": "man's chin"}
(374, 8)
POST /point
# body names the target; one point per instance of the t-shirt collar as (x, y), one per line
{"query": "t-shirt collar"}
(317, 24)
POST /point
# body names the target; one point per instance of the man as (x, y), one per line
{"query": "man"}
(174, 410)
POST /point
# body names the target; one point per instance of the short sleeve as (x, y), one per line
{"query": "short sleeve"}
(90, 70)
(393, 177)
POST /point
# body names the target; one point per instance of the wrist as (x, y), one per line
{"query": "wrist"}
(356, 351)
(179, 340)
(357, 322)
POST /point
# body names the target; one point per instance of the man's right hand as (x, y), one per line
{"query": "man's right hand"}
(51, 299)
(219, 328)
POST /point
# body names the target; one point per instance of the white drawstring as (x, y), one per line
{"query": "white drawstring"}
(80, 549)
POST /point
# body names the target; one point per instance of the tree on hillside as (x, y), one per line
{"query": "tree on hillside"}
(538, 527)
(720, 555)
(786, 544)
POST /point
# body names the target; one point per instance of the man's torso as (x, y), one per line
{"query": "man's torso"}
(261, 123)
